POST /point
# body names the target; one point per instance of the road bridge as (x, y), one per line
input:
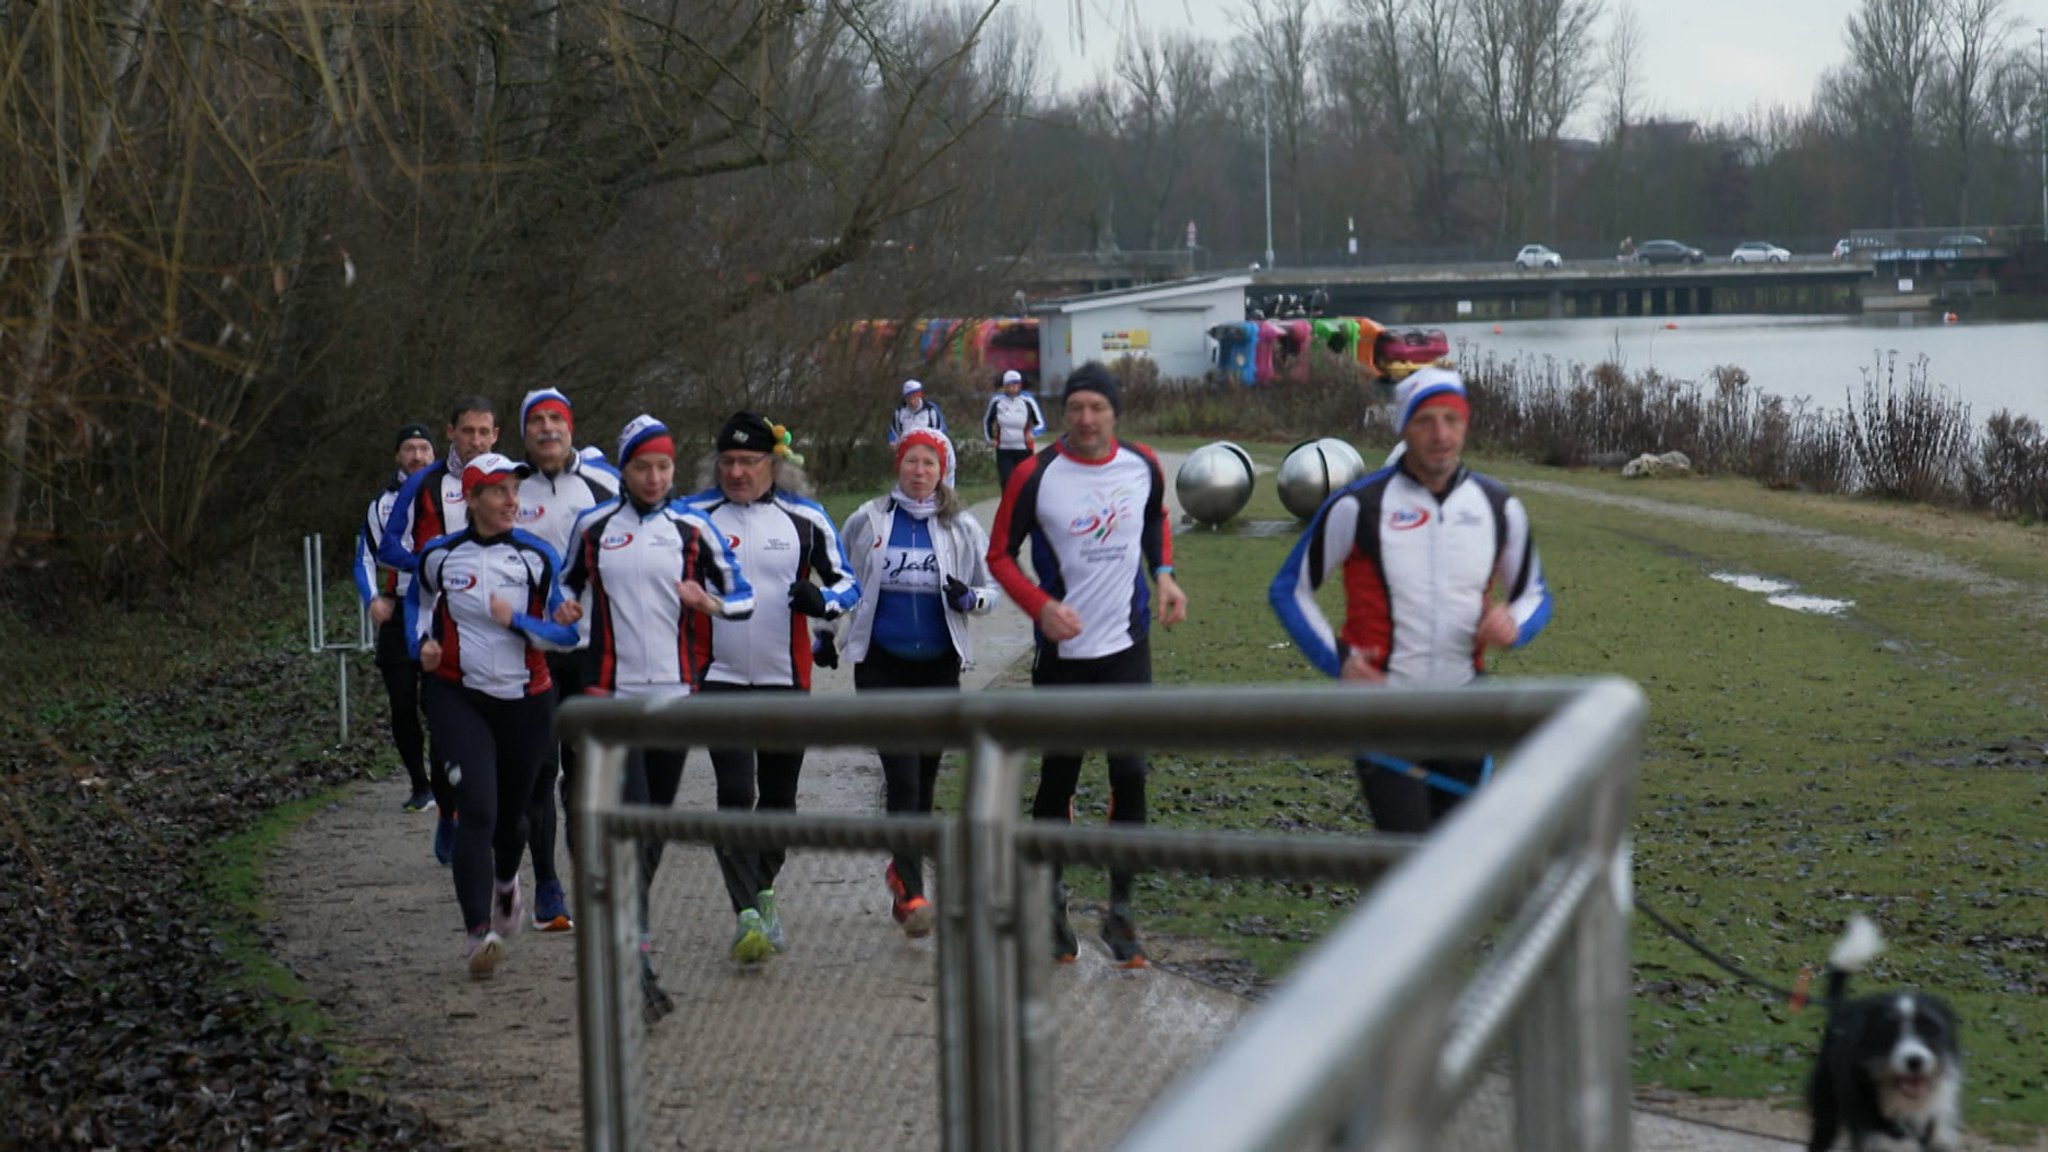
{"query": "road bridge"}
(1438, 293)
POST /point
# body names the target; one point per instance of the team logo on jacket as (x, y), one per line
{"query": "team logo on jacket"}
(1404, 519)
(528, 513)
(1110, 510)
(454, 582)
(615, 540)
(732, 542)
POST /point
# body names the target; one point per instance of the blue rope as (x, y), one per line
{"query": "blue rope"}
(1435, 780)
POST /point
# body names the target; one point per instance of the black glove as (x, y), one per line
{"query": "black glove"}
(959, 597)
(805, 597)
(824, 650)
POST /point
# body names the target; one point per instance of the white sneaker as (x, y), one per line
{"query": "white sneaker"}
(484, 953)
(508, 908)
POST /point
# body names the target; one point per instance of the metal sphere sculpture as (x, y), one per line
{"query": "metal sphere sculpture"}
(1315, 468)
(1215, 482)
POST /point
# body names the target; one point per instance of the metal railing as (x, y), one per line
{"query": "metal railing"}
(1375, 1061)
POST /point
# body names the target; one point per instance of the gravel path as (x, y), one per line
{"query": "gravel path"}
(830, 1047)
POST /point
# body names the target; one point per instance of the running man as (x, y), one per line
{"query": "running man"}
(383, 591)
(793, 558)
(561, 487)
(1420, 546)
(1094, 509)
(1011, 422)
(430, 505)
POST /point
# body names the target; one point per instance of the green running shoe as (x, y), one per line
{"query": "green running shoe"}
(750, 942)
(771, 920)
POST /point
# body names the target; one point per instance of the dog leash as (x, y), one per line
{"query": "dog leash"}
(1435, 780)
(1796, 996)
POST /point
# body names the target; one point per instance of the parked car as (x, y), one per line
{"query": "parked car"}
(1843, 248)
(1668, 252)
(1962, 240)
(1758, 252)
(1537, 256)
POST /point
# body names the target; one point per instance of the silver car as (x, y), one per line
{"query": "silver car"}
(1534, 256)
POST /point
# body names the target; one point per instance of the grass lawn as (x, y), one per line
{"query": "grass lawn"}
(1798, 768)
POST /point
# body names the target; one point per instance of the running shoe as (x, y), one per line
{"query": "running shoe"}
(771, 920)
(1064, 945)
(1122, 937)
(486, 949)
(420, 801)
(550, 908)
(914, 912)
(444, 838)
(508, 909)
(654, 999)
(750, 942)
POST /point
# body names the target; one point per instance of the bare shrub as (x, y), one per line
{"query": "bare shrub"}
(1910, 444)
(2009, 474)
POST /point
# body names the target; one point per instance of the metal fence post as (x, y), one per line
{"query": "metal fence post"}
(607, 1119)
(989, 816)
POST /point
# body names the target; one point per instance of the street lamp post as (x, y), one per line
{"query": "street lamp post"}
(2041, 117)
(1266, 118)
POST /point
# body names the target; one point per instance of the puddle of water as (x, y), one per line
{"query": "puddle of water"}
(1781, 595)
(1750, 583)
(1819, 605)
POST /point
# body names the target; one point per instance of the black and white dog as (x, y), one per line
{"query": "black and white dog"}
(1889, 1069)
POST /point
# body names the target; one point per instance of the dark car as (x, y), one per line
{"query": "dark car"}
(1668, 252)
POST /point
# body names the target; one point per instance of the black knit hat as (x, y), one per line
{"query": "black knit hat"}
(1093, 377)
(747, 432)
(413, 431)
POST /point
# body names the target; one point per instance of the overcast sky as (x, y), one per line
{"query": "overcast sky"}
(1702, 59)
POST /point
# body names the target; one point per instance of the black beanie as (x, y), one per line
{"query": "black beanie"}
(413, 431)
(747, 432)
(1093, 377)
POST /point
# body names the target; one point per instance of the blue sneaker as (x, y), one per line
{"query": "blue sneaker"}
(550, 908)
(771, 920)
(749, 943)
(444, 838)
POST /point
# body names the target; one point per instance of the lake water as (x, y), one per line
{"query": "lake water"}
(1988, 364)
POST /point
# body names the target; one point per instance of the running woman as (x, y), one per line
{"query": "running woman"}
(482, 608)
(561, 487)
(1421, 546)
(922, 559)
(1011, 424)
(649, 571)
(431, 505)
(1094, 509)
(382, 590)
(792, 556)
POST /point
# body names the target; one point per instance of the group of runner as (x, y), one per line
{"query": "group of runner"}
(500, 587)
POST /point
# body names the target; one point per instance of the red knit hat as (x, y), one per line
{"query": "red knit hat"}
(931, 438)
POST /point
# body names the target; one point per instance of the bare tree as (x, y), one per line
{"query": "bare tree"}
(1622, 61)
(344, 208)
(1278, 48)
(1530, 64)
(1893, 46)
(1973, 36)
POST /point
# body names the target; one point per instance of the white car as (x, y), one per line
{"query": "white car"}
(1759, 252)
(1537, 256)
